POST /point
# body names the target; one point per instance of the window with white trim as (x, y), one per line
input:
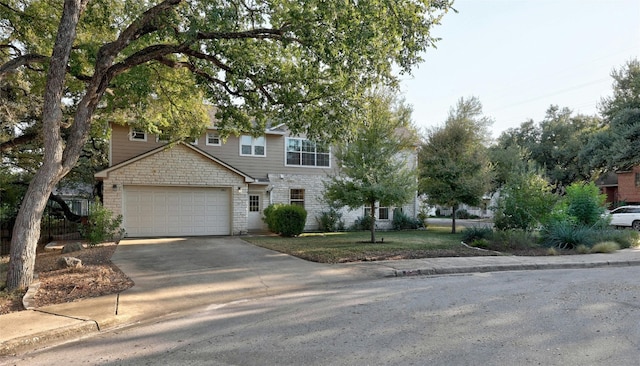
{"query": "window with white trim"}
(382, 213)
(302, 152)
(213, 139)
(137, 135)
(252, 146)
(296, 197)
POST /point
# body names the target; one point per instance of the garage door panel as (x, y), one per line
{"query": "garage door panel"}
(176, 211)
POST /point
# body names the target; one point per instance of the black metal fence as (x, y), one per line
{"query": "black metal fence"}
(53, 227)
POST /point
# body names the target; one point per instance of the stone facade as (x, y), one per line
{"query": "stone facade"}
(282, 184)
(178, 166)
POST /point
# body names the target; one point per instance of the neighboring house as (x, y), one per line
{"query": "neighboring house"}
(215, 187)
(608, 185)
(629, 185)
(621, 187)
(77, 197)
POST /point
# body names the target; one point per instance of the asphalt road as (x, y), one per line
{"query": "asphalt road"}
(555, 317)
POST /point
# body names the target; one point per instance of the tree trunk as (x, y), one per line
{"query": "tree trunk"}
(454, 210)
(26, 231)
(373, 222)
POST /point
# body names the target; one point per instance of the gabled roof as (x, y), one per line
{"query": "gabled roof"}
(105, 173)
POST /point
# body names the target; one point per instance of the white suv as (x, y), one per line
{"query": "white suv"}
(626, 216)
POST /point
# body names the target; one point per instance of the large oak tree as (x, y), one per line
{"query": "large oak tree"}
(152, 63)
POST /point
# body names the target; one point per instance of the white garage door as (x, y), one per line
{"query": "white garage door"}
(176, 211)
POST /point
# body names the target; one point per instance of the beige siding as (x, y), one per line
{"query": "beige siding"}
(123, 149)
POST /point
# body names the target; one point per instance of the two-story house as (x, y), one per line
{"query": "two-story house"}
(215, 187)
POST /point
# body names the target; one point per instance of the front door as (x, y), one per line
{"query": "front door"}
(255, 212)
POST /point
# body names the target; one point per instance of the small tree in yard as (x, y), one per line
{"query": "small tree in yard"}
(454, 164)
(373, 169)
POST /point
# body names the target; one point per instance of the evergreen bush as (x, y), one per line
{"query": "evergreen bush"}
(286, 220)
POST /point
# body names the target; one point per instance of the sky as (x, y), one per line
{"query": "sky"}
(518, 57)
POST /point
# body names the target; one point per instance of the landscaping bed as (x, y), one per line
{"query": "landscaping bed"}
(97, 277)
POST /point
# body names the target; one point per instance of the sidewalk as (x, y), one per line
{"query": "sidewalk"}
(176, 275)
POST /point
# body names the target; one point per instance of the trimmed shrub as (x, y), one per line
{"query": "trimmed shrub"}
(329, 221)
(286, 220)
(404, 222)
(101, 225)
(269, 217)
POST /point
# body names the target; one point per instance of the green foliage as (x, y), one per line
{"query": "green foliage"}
(465, 215)
(375, 167)
(615, 146)
(576, 219)
(554, 145)
(504, 241)
(101, 225)
(270, 217)
(524, 203)
(404, 222)
(624, 238)
(286, 220)
(566, 235)
(330, 221)
(454, 168)
(585, 203)
(362, 223)
(474, 233)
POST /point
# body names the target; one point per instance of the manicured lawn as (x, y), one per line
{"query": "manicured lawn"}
(353, 246)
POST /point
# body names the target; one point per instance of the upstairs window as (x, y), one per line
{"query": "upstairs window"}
(252, 146)
(301, 152)
(213, 139)
(137, 135)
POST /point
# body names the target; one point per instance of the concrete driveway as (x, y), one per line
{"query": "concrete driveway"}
(176, 274)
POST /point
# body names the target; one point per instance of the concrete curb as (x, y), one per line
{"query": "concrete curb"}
(513, 267)
(49, 337)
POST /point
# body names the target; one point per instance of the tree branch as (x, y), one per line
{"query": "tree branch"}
(258, 33)
(65, 208)
(25, 60)
(17, 141)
